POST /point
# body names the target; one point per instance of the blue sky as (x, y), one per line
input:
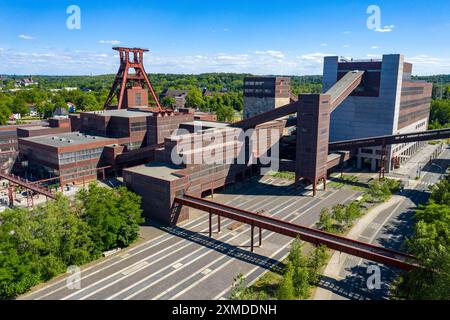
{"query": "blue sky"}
(260, 37)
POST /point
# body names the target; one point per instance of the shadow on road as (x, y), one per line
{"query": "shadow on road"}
(355, 285)
(225, 249)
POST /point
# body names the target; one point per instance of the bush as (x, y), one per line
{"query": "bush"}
(380, 191)
(325, 222)
(37, 245)
(113, 215)
(286, 289)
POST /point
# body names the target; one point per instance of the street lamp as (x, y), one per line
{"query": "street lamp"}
(419, 170)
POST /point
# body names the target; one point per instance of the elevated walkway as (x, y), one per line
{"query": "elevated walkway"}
(353, 247)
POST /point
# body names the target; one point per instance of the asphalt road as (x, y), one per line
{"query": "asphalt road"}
(184, 263)
(389, 229)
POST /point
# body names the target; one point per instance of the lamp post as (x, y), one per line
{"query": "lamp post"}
(419, 170)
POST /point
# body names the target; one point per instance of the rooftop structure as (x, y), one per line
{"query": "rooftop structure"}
(386, 102)
(262, 94)
(69, 139)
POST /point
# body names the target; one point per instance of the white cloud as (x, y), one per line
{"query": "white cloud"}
(25, 37)
(385, 29)
(226, 30)
(82, 61)
(427, 65)
(112, 42)
(271, 53)
(315, 57)
(324, 44)
(346, 46)
(374, 47)
(346, 32)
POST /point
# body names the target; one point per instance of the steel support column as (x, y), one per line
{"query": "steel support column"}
(252, 228)
(210, 225)
(260, 236)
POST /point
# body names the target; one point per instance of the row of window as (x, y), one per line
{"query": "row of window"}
(70, 157)
(413, 115)
(408, 91)
(268, 91)
(254, 83)
(414, 103)
(6, 141)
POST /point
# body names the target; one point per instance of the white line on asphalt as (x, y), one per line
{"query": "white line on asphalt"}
(108, 277)
(287, 218)
(168, 237)
(255, 268)
(207, 251)
(153, 274)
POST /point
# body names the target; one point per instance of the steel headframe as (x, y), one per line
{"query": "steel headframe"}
(130, 58)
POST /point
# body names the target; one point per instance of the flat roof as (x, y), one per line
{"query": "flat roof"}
(124, 113)
(159, 170)
(37, 128)
(66, 139)
(207, 124)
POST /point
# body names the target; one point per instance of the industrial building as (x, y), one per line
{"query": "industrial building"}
(387, 102)
(141, 140)
(262, 94)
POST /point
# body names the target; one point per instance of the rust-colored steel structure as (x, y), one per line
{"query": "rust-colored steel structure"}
(357, 248)
(390, 139)
(130, 58)
(27, 185)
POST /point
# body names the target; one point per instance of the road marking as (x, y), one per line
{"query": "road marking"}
(255, 268)
(164, 277)
(206, 271)
(177, 265)
(135, 268)
(153, 262)
(167, 238)
(291, 217)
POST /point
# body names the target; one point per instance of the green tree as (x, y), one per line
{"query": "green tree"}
(168, 102)
(238, 287)
(194, 98)
(225, 113)
(352, 212)
(430, 244)
(325, 222)
(286, 289)
(19, 105)
(339, 213)
(114, 215)
(316, 261)
(5, 113)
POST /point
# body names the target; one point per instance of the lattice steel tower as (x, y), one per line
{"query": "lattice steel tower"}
(130, 88)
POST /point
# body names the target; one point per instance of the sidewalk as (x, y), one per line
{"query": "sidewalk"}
(337, 260)
(418, 160)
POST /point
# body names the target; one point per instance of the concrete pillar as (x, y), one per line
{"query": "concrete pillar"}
(373, 164)
(359, 162)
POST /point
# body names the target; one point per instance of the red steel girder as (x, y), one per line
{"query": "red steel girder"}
(357, 248)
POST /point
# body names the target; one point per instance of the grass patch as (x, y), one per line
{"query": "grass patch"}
(283, 175)
(346, 181)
